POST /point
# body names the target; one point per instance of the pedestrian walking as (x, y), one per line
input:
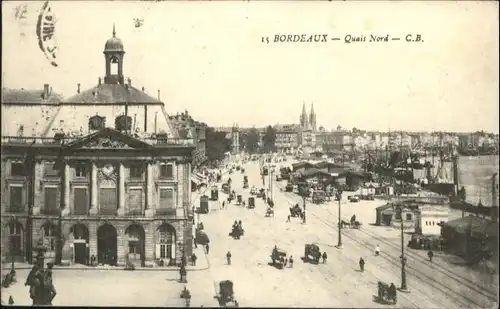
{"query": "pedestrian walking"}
(362, 264)
(48, 282)
(288, 219)
(286, 262)
(430, 254)
(324, 256)
(377, 250)
(193, 259)
(228, 257)
(207, 248)
(194, 242)
(223, 204)
(290, 261)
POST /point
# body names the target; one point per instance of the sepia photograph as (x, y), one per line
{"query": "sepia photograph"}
(320, 154)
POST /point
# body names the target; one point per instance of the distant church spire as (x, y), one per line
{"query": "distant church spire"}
(312, 118)
(304, 122)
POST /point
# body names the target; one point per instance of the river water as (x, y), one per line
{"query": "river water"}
(475, 174)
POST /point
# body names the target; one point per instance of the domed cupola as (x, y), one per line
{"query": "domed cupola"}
(113, 55)
(114, 44)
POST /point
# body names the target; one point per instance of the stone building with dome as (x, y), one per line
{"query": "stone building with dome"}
(100, 174)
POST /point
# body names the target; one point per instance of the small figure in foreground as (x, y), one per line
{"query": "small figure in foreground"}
(362, 264)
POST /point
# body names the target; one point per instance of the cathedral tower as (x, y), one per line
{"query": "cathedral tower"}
(304, 123)
(312, 119)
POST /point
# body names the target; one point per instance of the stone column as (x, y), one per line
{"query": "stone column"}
(149, 190)
(121, 190)
(93, 189)
(67, 208)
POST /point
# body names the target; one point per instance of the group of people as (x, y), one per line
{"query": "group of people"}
(40, 281)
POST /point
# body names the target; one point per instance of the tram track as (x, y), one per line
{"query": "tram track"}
(443, 287)
(331, 275)
(471, 285)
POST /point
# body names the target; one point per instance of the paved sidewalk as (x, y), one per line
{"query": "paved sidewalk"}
(201, 264)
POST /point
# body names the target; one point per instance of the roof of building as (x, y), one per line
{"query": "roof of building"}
(476, 224)
(112, 93)
(73, 119)
(28, 96)
(302, 164)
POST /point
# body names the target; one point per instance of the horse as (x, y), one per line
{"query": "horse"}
(344, 224)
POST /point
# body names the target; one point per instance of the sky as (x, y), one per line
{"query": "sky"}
(208, 58)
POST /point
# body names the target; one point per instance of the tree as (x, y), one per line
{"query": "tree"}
(252, 141)
(216, 144)
(269, 139)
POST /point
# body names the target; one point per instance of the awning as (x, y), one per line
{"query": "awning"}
(195, 180)
(199, 178)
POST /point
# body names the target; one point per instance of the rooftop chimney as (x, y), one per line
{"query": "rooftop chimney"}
(142, 88)
(78, 89)
(129, 81)
(99, 81)
(159, 95)
(46, 91)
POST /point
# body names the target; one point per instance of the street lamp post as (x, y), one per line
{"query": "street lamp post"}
(183, 251)
(339, 198)
(304, 204)
(403, 258)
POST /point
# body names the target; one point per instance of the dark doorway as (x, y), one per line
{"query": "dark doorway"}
(80, 243)
(386, 219)
(107, 245)
(136, 245)
(80, 253)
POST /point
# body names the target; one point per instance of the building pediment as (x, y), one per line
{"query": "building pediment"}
(109, 138)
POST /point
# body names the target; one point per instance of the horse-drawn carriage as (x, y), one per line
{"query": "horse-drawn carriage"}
(254, 191)
(251, 202)
(225, 295)
(318, 197)
(278, 257)
(351, 225)
(245, 185)
(269, 212)
(237, 231)
(261, 193)
(296, 211)
(387, 293)
(312, 253)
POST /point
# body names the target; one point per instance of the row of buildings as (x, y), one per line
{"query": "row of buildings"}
(306, 135)
(106, 172)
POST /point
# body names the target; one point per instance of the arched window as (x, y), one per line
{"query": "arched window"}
(165, 246)
(49, 236)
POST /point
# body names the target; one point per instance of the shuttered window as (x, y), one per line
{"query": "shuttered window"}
(107, 201)
(50, 206)
(80, 201)
(134, 203)
(167, 198)
(16, 199)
